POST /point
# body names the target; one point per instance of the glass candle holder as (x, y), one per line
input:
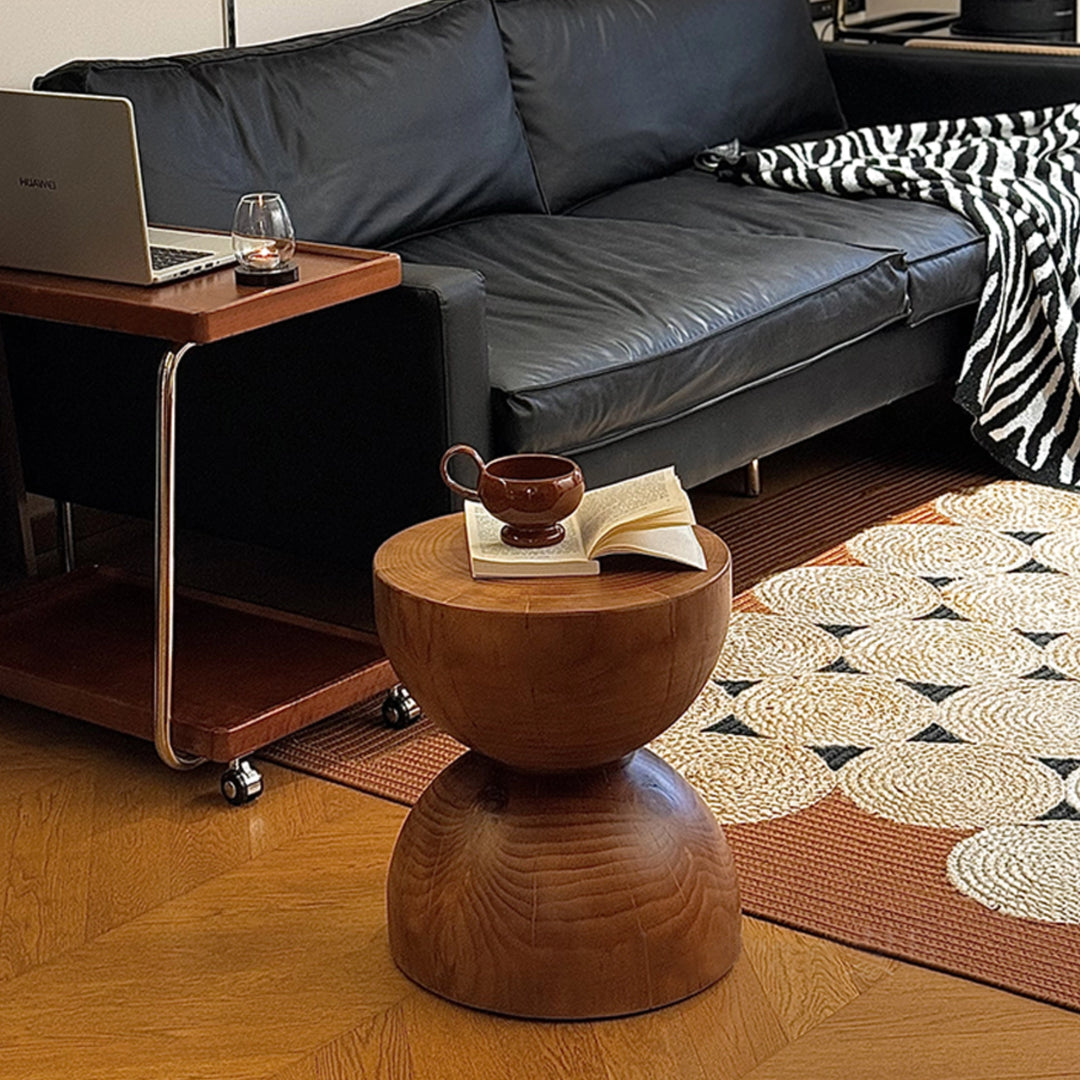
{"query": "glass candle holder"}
(263, 240)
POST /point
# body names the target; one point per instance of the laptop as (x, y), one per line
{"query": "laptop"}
(71, 195)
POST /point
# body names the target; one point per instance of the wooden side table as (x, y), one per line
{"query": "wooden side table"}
(50, 659)
(556, 870)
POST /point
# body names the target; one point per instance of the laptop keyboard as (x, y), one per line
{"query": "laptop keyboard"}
(161, 258)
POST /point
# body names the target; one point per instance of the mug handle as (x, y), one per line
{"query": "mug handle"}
(450, 482)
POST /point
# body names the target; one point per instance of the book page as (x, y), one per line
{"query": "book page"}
(490, 557)
(654, 499)
(675, 542)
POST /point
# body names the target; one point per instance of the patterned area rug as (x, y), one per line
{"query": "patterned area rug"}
(891, 739)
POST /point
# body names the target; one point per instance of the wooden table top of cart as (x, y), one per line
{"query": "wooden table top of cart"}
(204, 308)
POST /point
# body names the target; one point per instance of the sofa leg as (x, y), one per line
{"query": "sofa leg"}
(752, 478)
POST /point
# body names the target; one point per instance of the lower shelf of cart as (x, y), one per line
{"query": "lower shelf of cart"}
(83, 645)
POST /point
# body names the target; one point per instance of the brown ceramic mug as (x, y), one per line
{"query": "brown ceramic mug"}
(531, 493)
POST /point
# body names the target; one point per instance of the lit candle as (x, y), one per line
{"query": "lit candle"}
(263, 240)
(263, 258)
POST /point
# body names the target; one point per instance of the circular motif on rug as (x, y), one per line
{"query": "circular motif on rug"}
(711, 705)
(1033, 716)
(1027, 871)
(1012, 506)
(758, 645)
(938, 550)
(834, 709)
(1059, 550)
(942, 651)
(682, 742)
(847, 595)
(950, 785)
(1046, 602)
(1072, 789)
(1063, 654)
(743, 778)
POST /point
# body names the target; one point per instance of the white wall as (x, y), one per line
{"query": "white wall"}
(266, 20)
(36, 35)
(890, 7)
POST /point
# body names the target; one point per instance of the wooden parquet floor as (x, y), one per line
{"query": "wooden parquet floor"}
(150, 932)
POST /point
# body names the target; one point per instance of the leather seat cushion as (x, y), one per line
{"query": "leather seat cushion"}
(944, 253)
(598, 328)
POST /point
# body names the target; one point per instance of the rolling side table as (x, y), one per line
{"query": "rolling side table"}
(293, 671)
(556, 870)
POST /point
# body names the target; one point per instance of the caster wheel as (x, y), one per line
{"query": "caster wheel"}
(398, 709)
(241, 783)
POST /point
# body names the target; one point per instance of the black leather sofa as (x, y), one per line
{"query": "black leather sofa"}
(572, 284)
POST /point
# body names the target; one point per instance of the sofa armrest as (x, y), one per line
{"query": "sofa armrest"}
(456, 300)
(321, 434)
(890, 84)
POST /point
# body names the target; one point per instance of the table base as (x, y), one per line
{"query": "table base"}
(597, 893)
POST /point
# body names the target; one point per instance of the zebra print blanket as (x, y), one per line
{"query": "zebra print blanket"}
(1015, 177)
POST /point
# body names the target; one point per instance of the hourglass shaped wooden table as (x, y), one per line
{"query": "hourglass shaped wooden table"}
(557, 870)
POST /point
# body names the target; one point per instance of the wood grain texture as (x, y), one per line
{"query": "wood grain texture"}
(260, 953)
(561, 673)
(82, 644)
(920, 1023)
(144, 995)
(48, 865)
(558, 872)
(807, 979)
(599, 893)
(92, 835)
(204, 308)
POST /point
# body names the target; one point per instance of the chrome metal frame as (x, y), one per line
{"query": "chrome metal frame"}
(228, 22)
(165, 565)
(752, 477)
(65, 534)
(838, 17)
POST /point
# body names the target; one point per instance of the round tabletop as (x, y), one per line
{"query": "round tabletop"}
(430, 561)
(548, 673)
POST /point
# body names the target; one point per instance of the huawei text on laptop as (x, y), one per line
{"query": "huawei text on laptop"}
(71, 196)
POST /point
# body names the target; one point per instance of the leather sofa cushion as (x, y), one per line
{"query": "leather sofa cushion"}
(370, 133)
(613, 91)
(944, 253)
(598, 328)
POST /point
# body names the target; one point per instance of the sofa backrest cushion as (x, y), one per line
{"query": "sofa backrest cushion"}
(370, 133)
(613, 91)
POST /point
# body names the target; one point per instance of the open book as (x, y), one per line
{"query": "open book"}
(645, 515)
